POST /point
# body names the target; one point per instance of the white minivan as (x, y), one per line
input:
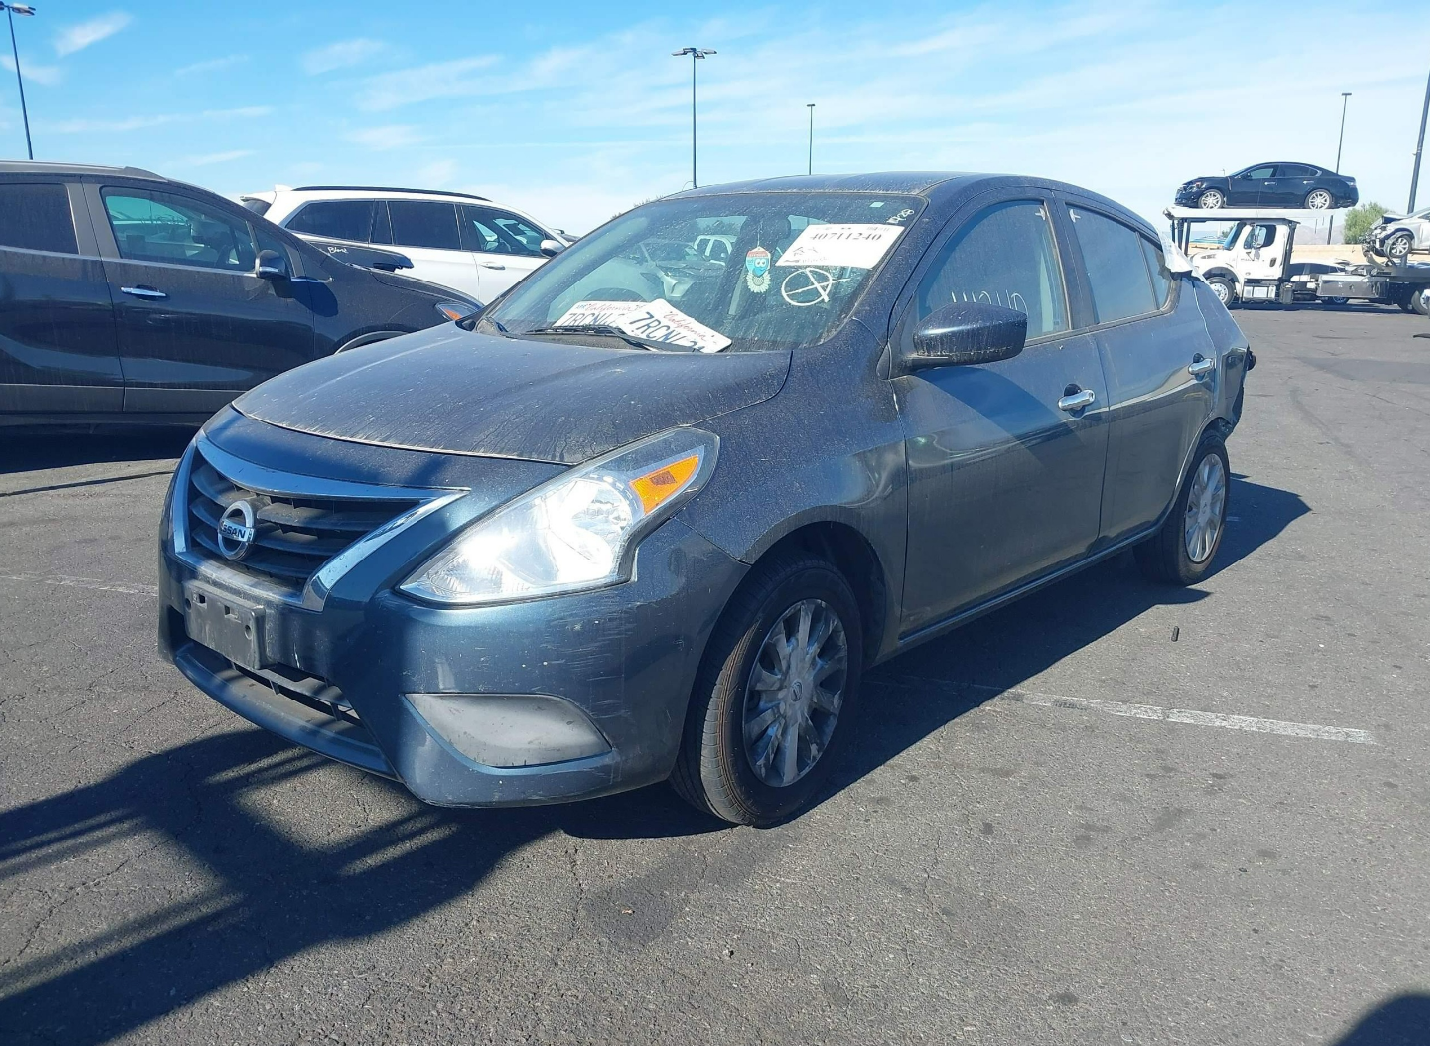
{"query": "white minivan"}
(458, 240)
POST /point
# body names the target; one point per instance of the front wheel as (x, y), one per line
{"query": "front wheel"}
(1318, 200)
(1183, 549)
(1420, 302)
(1397, 248)
(1223, 289)
(1336, 300)
(1211, 200)
(775, 693)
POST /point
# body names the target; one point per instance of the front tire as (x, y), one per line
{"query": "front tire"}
(1223, 289)
(1319, 200)
(1397, 248)
(1420, 302)
(1211, 200)
(1183, 549)
(777, 687)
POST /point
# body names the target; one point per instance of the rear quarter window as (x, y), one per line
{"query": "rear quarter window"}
(36, 216)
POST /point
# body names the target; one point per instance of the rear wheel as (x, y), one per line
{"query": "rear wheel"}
(1397, 248)
(1223, 289)
(1319, 200)
(776, 690)
(1337, 300)
(1211, 200)
(1420, 302)
(1183, 549)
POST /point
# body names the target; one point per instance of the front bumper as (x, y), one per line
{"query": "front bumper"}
(549, 700)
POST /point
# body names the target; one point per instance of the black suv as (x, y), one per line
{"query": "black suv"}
(125, 296)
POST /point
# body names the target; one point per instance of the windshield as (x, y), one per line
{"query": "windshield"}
(795, 265)
(1231, 237)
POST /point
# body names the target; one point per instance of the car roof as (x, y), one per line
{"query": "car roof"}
(363, 192)
(76, 170)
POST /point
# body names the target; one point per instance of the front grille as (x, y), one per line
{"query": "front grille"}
(295, 534)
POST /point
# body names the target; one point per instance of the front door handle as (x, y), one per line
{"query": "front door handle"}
(144, 292)
(492, 265)
(1200, 366)
(1075, 401)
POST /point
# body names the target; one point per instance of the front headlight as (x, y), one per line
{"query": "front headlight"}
(577, 531)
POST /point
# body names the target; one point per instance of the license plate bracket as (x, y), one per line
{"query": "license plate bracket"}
(230, 626)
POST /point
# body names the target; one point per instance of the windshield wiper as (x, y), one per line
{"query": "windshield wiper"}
(608, 330)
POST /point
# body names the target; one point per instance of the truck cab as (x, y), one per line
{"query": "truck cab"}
(1251, 261)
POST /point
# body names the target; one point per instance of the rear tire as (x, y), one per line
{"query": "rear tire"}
(1420, 302)
(1319, 200)
(738, 693)
(1182, 551)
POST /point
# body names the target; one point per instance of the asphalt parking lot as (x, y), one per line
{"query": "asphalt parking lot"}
(1113, 813)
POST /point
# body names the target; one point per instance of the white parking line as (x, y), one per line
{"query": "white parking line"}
(1189, 716)
(97, 584)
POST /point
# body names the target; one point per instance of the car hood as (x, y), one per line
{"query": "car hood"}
(454, 391)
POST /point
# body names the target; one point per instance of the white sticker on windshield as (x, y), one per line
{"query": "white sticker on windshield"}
(656, 320)
(852, 246)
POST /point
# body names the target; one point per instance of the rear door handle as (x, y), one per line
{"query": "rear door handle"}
(1200, 366)
(492, 265)
(1075, 401)
(144, 292)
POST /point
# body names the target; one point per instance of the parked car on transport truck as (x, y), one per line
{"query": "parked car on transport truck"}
(127, 297)
(1396, 236)
(1295, 185)
(454, 239)
(598, 537)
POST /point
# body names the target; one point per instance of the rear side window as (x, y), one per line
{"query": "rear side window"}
(1295, 170)
(1157, 268)
(424, 223)
(1116, 267)
(1005, 256)
(336, 219)
(164, 227)
(36, 217)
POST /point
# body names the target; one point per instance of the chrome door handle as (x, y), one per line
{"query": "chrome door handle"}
(144, 292)
(492, 265)
(1077, 401)
(1199, 367)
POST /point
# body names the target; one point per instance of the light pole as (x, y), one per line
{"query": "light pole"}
(1345, 99)
(695, 54)
(11, 10)
(1419, 147)
(811, 137)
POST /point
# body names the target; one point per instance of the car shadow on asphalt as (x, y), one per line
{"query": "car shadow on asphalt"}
(274, 895)
(1401, 1021)
(32, 452)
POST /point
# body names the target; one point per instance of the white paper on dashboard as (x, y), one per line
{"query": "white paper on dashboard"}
(649, 320)
(855, 246)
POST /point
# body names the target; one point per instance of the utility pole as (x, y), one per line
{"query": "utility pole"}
(695, 54)
(811, 138)
(1419, 147)
(11, 10)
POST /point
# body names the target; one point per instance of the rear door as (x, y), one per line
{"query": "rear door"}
(1159, 363)
(507, 247)
(58, 353)
(195, 326)
(1006, 459)
(1292, 182)
(426, 231)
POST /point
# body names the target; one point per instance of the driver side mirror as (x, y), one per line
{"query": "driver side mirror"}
(551, 248)
(967, 333)
(271, 266)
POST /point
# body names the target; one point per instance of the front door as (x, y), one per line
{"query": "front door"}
(1260, 251)
(1249, 187)
(1005, 460)
(196, 327)
(507, 247)
(57, 348)
(426, 231)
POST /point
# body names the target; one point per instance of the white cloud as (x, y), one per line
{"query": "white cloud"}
(208, 159)
(340, 55)
(212, 65)
(438, 175)
(424, 83)
(49, 75)
(390, 136)
(77, 37)
(137, 123)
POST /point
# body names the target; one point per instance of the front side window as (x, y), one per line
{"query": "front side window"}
(1258, 172)
(1261, 236)
(1116, 267)
(335, 219)
(424, 223)
(164, 227)
(489, 231)
(797, 264)
(36, 217)
(1004, 256)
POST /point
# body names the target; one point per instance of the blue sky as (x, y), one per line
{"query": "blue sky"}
(575, 111)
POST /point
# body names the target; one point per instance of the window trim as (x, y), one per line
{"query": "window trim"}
(906, 305)
(1069, 202)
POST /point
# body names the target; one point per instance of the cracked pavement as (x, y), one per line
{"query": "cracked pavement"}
(983, 870)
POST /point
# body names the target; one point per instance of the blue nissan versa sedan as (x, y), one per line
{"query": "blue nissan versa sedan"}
(620, 528)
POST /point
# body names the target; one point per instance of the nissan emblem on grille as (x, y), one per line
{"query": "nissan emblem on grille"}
(236, 531)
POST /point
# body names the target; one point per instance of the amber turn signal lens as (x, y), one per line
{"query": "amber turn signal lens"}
(657, 487)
